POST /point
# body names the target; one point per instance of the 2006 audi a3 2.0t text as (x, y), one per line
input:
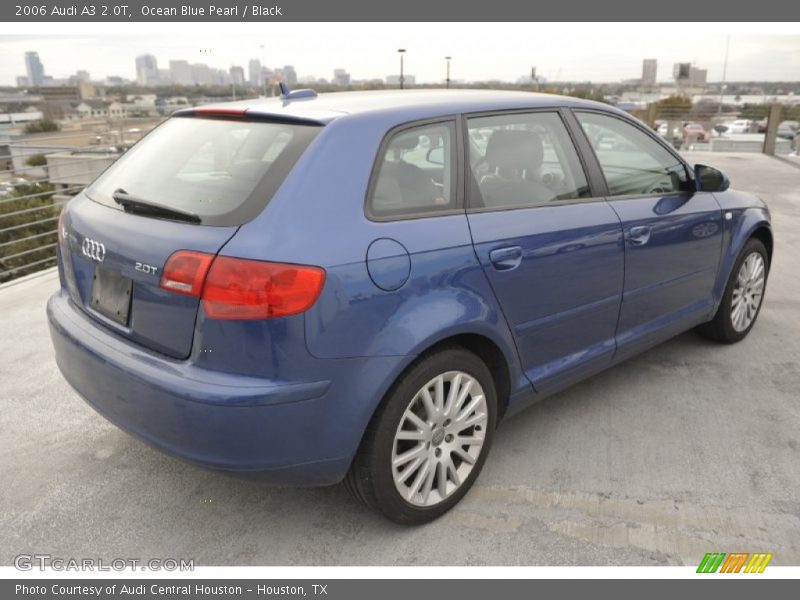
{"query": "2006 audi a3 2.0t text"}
(359, 286)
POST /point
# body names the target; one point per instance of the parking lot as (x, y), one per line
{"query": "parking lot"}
(687, 449)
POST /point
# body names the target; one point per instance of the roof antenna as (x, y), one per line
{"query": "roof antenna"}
(287, 94)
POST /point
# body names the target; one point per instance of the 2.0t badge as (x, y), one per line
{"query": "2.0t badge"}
(93, 249)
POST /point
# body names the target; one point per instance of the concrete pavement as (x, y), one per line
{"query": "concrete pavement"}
(687, 449)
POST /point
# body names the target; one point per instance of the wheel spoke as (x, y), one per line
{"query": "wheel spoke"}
(451, 469)
(741, 279)
(479, 418)
(465, 456)
(439, 395)
(462, 396)
(410, 470)
(430, 474)
(419, 479)
(428, 403)
(418, 423)
(453, 393)
(441, 479)
(469, 441)
(402, 459)
(414, 436)
(469, 408)
(758, 269)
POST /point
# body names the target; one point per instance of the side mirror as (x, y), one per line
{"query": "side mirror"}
(435, 155)
(709, 179)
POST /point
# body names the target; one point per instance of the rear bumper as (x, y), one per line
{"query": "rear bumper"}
(285, 432)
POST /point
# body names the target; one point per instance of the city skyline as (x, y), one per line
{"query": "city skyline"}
(371, 54)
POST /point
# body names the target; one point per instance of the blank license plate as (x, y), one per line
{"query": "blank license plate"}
(111, 294)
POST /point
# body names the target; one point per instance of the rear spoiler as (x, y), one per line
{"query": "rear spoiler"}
(235, 112)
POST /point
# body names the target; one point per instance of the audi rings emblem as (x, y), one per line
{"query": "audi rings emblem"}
(93, 249)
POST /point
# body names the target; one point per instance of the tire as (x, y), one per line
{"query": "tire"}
(383, 474)
(728, 326)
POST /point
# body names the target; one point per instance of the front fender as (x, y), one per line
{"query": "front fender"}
(741, 226)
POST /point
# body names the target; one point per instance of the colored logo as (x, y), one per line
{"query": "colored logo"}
(737, 562)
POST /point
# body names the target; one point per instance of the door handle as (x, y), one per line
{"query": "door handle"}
(639, 235)
(505, 259)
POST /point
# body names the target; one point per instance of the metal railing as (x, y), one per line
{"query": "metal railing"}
(719, 128)
(30, 208)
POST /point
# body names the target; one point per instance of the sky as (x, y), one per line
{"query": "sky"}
(598, 52)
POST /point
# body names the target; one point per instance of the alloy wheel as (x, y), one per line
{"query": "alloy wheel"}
(439, 438)
(748, 291)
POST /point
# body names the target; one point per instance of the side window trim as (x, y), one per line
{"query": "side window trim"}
(591, 165)
(592, 155)
(597, 191)
(458, 176)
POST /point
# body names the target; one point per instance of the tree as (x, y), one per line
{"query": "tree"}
(16, 248)
(42, 126)
(36, 160)
(674, 108)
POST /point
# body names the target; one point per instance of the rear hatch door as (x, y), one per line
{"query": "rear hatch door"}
(114, 260)
(188, 185)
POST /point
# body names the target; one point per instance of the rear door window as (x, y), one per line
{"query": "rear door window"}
(223, 170)
(416, 173)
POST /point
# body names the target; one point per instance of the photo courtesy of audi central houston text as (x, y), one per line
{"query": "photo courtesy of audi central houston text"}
(361, 286)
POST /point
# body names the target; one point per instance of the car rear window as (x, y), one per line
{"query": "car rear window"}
(223, 170)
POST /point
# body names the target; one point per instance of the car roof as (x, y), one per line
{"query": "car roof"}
(404, 105)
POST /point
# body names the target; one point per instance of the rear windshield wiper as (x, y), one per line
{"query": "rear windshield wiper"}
(133, 204)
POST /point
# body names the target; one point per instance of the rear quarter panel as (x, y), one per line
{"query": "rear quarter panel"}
(317, 217)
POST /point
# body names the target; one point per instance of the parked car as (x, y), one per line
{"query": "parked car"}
(740, 126)
(788, 129)
(696, 131)
(663, 129)
(297, 288)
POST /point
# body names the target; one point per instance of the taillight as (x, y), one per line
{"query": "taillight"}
(238, 288)
(185, 272)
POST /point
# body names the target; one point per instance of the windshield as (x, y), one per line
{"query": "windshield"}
(222, 170)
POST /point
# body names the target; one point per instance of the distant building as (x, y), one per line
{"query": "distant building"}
(34, 68)
(237, 75)
(180, 72)
(60, 94)
(254, 69)
(23, 81)
(649, 72)
(141, 104)
(697, 77)
(146, 70)
(680, 72)
(202, 74)
(341, 78)
(99, 109)
(289, 76)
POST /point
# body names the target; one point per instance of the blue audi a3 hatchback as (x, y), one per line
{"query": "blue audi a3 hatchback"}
(360, 286)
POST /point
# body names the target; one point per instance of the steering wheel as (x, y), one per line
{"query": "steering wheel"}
(659, 188)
